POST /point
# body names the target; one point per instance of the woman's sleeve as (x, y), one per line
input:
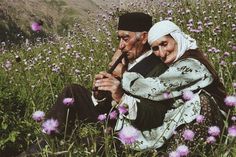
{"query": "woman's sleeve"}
(186, 74)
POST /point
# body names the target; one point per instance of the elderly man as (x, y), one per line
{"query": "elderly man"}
(132, 32)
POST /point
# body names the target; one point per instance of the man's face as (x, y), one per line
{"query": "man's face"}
(131, 43)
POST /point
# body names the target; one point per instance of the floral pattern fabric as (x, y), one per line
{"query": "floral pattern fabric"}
(185, 74)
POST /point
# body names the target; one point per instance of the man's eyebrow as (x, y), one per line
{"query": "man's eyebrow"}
(123, 36)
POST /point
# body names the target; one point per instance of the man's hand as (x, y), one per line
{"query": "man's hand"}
(107, 82)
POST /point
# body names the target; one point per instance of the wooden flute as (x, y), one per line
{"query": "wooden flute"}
(112, 68)
(99, 95)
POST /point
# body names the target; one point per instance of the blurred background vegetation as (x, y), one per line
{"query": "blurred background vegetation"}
(57, 16)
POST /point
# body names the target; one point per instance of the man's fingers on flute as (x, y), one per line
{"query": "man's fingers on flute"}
(105, 74)
(99, 76)
(104, 88)
(103, 82)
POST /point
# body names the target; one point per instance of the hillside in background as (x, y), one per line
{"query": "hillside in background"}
(16, 16)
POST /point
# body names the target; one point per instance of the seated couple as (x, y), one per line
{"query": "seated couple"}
(167, 86)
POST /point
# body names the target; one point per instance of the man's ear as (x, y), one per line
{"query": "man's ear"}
(144, 37)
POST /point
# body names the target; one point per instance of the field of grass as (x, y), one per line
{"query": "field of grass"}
(32, 75)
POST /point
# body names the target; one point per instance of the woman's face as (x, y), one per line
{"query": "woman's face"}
(166, 48)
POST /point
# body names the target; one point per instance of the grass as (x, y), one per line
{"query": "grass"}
(51, 63)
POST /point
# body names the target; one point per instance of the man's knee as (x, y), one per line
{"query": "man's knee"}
(74, 88)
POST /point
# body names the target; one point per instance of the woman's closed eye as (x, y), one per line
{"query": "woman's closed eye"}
(163, 44)
(155, 48)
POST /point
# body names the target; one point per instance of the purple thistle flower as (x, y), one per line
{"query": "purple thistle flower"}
(188, 135)
(188, 95)
(232, 131)
(222, 62)
(200, 118)
(234, 47)
(214, 131)
(226, 54)
(8, 65)
(170, 12)
(233, 118)
(56, 69)
(68, 47)
(122, 109)
(230, 101)
(199, 22)
(113, 115)
(102, 117)
(128, 135)
(35, 26)
(211, 139)
(38, 116)
(50, 126)
(190, 21)
(68, 101)
(174, 154)
(234, 85)
(167, 95)
(182, 150)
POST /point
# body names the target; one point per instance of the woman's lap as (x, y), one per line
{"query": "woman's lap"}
(212, 117)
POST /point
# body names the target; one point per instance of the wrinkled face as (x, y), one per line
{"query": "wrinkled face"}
(132, 43)
(166, 48)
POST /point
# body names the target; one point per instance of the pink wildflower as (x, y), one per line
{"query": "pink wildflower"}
(234, 48)
(174, 154)
(232, 131)
(113, 115)
(102, 117)
(222, 62)
(200, 118)
(68, 47)
(35, 26)
(128, 135)
(122, 109)
(8, 65)
(230, 101)
(226, 54)
(182, 150)
(214, 131)
(188, 135)
(233, 118)
(188, 95)
(68, 101)
(211, 139)
(50, 126)
(38, 116)
(167, 95)
(234, 85)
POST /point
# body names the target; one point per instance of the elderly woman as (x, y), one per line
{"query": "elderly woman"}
(190, 82)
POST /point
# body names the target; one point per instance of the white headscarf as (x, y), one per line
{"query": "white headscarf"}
(162, 28)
